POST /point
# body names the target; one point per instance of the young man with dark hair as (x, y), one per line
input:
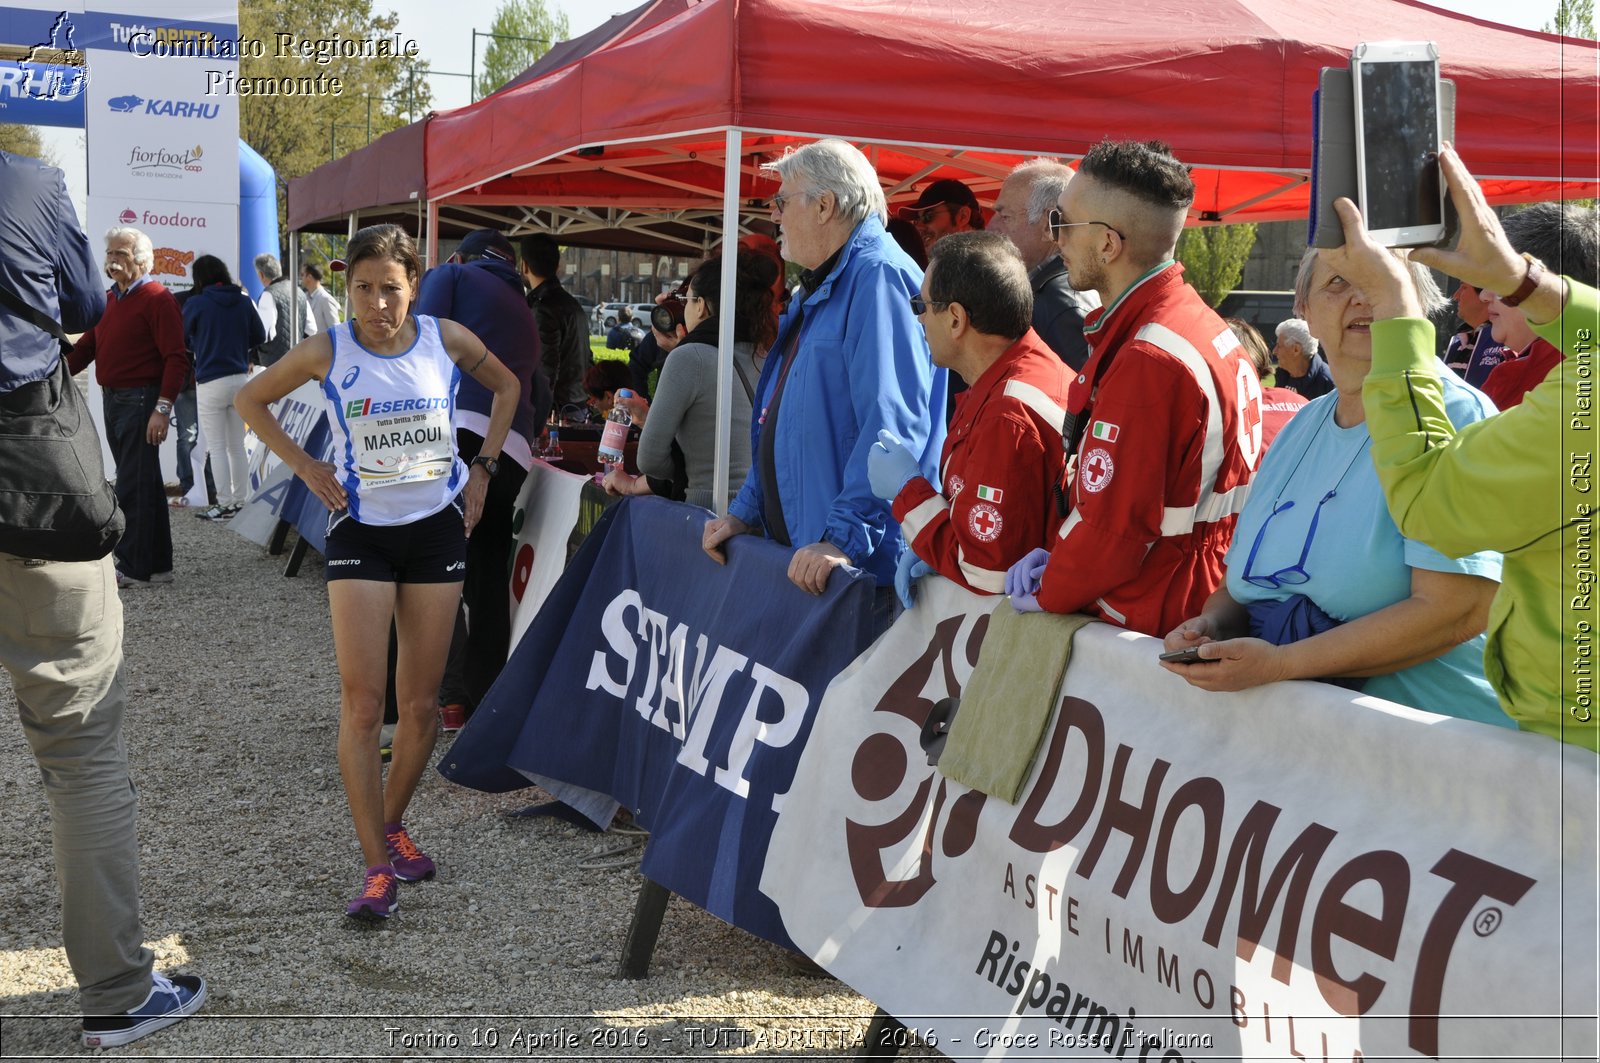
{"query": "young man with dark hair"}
(1166, 413)
(563, 326)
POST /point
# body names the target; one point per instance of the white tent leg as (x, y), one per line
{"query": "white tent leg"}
(727, 303)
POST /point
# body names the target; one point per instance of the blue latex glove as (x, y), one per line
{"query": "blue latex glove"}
(907, 571)
(1024, 577)
(890, 466)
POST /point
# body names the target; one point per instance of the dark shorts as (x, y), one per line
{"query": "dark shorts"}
(430, 550)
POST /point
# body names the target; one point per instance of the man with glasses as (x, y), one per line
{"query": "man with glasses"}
(849, 362)
(946, 206)
(1165, 419)
(1003, 452)
(1022, 215)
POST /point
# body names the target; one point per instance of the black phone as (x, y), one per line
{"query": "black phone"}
(1187, 656)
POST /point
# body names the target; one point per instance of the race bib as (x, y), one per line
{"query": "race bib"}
(402, 448)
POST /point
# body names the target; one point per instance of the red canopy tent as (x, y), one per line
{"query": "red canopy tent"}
(635, 131)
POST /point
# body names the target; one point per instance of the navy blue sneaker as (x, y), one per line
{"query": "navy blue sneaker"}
(171, 1000)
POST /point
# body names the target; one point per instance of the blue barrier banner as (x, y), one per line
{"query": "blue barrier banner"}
(682, 688)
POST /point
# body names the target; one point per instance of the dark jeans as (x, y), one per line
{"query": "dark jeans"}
(146, 547)
(478, 650)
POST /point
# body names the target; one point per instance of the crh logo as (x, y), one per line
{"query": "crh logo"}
(1239, 871)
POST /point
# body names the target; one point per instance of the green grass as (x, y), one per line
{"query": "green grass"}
(597, 344)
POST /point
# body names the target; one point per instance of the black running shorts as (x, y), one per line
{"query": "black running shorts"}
(430, 550)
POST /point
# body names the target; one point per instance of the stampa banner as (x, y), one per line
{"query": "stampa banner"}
(1287, 873)
(681, 688)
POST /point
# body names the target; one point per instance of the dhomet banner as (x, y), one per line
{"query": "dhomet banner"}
(1288, 873)
(543, 520)
(655, 676)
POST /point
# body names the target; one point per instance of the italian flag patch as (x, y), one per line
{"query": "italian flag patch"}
(990, 494)
(1105, 431)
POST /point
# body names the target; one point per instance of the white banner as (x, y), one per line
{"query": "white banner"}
(297, 413)
(542, 522)
(179, 233)
(1292, 872)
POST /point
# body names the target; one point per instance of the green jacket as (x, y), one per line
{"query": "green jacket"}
(1519, 482)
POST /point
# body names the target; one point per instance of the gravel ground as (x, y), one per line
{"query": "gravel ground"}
(248, 858)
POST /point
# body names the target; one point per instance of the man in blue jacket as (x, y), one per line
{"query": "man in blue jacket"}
(850, 361)
(481, 289)
(61, 642)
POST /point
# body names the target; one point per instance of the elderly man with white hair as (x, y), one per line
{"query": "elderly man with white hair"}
(1301, 368)
(850, 361)
(1022, 214)
(140, 362)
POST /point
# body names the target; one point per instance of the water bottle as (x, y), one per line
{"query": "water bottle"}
(552, 449)
(615, 435)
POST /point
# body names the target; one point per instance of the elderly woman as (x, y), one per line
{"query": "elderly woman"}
(1320, 582)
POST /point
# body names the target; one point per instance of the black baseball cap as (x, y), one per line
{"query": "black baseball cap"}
(946, 190)
(482, 243)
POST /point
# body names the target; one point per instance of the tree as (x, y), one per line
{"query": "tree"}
(24, 140)
(299, 132)
(1213, 257)
(1574, 18)
(523, 31)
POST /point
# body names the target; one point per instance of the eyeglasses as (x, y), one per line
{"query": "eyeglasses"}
(1058, 222)
(781, 200)
(923, 215)
(1295, 574)
(919, 305)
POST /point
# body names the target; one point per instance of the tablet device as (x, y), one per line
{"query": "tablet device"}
(1397, 134)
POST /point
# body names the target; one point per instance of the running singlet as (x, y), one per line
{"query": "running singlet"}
(393, 424)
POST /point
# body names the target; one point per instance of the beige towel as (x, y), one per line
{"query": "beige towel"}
(1009, 701)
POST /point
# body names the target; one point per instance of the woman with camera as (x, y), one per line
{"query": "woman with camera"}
(685, 407)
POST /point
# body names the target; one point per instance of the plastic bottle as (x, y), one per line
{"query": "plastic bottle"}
(615, 435)
(552, 449)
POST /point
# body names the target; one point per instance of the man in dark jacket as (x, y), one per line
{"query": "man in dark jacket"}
(67, 673)
(479, 288)
(1022, 214)
(276, 307)
(563, 326)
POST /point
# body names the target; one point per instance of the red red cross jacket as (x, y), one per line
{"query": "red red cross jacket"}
(1000, 460)
(1173, 439)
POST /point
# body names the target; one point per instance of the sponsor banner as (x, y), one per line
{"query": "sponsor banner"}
(43, 75)
(155, 134)
(275, 492)
(179, 233)
(682, 688)
(1291, 872)
(542, 523)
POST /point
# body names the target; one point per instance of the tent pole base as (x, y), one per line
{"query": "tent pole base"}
(640, 945)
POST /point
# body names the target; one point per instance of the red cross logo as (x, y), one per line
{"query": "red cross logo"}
(1097, 469)
(985, 522)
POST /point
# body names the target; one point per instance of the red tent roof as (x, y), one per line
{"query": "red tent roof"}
(935, 87)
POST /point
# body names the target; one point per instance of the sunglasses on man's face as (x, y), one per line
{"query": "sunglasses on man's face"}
(1058, 222)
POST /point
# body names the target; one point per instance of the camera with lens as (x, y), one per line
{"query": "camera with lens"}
(668, 313)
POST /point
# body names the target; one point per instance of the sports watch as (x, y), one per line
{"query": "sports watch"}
(490, 465)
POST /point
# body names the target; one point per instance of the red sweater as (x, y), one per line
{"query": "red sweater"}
(139, 342)
(1513, 378)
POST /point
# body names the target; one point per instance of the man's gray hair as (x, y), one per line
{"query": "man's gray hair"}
(1295, 330)
(835, 166)
(1048, 179)
(1428, 294)
(267, 266)
(144, 252)
(1564, 236)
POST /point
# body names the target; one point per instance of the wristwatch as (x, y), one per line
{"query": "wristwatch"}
(163, 407)
(490, 465)
(1530, 281)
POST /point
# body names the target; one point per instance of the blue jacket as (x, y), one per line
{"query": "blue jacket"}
(46, 260)
(861, 364)
(222, 327)
(486, 297)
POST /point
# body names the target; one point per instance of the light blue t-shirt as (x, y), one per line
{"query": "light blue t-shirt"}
(1357, 561)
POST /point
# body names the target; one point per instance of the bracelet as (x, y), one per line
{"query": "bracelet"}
(1530, 281)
